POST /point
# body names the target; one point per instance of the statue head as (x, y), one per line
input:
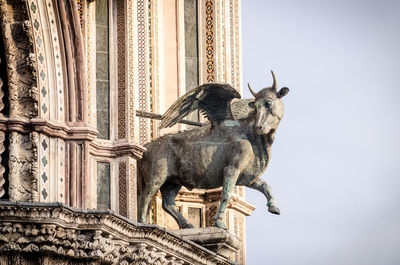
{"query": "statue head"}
(269, 107)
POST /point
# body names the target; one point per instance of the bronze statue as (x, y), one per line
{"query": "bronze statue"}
(234, 149)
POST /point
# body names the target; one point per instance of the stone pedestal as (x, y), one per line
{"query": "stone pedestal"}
(212, 238)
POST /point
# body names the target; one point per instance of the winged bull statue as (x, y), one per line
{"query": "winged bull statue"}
(233, 149)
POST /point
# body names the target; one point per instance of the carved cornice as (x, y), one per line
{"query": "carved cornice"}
(114, 149)
(88, 235)
(76, 132)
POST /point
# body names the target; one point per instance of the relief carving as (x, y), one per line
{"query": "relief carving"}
(23, 167)
(2, 169)
(20, 58)
(54, 234)
(2, 138)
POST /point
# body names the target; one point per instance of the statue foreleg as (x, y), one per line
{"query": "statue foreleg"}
(231, 174)
(227, 190)
(264, 188)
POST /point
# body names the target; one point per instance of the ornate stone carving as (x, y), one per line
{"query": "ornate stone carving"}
(21, 63)
(23, 167)
(2, 169)
(2, 138)
(90, 237)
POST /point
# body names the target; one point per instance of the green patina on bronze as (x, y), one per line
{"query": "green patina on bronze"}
(234, 149)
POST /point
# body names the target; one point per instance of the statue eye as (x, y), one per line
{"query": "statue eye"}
(268, 103)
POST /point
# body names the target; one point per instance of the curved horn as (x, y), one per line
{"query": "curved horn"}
(275, 83)
(251, 90)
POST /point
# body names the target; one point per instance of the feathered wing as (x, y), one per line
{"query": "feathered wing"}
(211, 99)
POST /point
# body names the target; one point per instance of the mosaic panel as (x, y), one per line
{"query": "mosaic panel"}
(210, 40)
(91, 56)
(121, 69)
(232, 41)
(154, 9)
(132, 190)
(44, 172)
(80, 10)
(237, 46)
(210, 214)
(150, 66)
(142, 70)
(60, 176)
(131, 63)
(123, 203)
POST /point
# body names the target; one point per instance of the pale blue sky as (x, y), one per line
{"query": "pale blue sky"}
(335, 168)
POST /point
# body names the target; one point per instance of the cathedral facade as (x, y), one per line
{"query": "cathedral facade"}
(83, 84)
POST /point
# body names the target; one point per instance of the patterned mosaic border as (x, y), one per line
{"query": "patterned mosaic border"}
(143, 49)
(210, 40)
(131, 62)
(121, 69)
(237, 46)
(51, 98)
(123, 203)
(40, 52)
(232, 41)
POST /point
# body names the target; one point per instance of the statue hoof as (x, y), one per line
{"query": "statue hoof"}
(274, 210)
(187, 226)
(220, 225)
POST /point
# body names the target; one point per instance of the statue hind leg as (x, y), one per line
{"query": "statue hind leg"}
(169, 190)
(147, 193)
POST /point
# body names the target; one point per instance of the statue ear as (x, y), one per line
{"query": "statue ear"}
(241, 108)
(252, 105)
(283, 92)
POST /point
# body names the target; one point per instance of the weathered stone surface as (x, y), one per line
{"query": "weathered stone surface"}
(62, 235)
(212, 238)
(103, 186)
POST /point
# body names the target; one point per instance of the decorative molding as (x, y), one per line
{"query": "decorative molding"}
(90, 235)
(112, 150)
(77, 131)
(76, 68)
